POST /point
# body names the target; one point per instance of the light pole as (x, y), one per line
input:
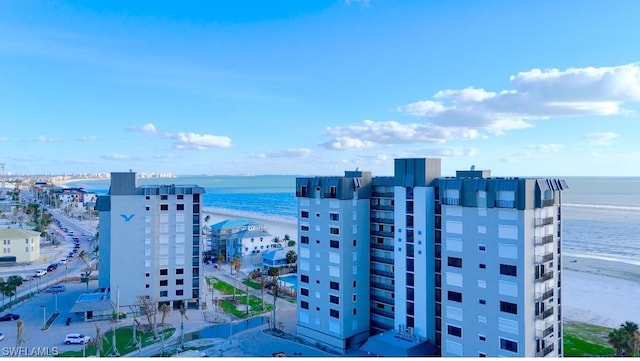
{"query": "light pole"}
(44, 315)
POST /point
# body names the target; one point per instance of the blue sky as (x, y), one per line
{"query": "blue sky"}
(319, 87)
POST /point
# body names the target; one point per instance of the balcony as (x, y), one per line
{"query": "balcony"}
(545, 351)
(381, 207)
(382, 194)
(380, 326)
(540, 296)
(377, 311)
(540, 240)
(543, 315)
(382, 260)
(548, 202)
(382, 286)
(330, 195)
(386, 300)
(451, 201)
(382, 273)
(504, 204)
(382, 220)
(381, 233)
(545, 258)
(382, 246)
(546, 331)
(545, 221)
(545, 276)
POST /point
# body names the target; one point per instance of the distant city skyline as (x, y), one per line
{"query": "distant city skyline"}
(280, 87)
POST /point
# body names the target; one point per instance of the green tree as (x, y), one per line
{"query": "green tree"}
(274, 272)
(291, 257)
(13, 283)
(257, 275)
(236, 264)
(617, 338)
(632, 338)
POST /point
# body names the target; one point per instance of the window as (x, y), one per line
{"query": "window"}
(482, 248)
(304, 228)
(482, 266)
(334, 230)
(304, 214)
(481, 354)
(304, 304)
(147, 208)
(179, 292)
(147, 197)
(147, 275)
(164, 293)
(179, 281)
(164, 272)
(334, 313)
(482, 302)
(179, 271)
(334, 299)
(355, 242)
(180, 196)
(317, 215)
(482, 337)
(454, 296)
(304, 278)
(508, 270)
(334, 216)
(164, 283)
(334, 285)
(164, 197)
(179, 207)
(304, 239)
(146, 286)
(454, 262)
(355, 297)
(304, 291)
(354, 312)
(334, 244)
(454, 331)
(164, 207)
(508, 345)
(508, 307)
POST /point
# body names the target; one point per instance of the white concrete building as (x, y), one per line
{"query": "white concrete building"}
(150, 242)
(240, 237)
(469, 264)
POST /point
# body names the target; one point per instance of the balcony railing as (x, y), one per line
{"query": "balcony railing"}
(545, 258)
(545, 221)
(548, 202)
(547, 313)
(381, 207)
(382, 194)
(382, 220)
(379, 272)
(451, 201)
(545, 351)
(546, 331)
(386, 247)
(540, 296)
(387, 300)
(381, 233)
(382, 286)
(382, 260)
(381, 312)
(540, 240)
(545, 277)
(504, 204)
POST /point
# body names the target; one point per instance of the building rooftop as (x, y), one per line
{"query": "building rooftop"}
(17, 233)
(235, 223)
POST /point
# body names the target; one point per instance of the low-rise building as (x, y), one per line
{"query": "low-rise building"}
(240, 237)
(19, 245)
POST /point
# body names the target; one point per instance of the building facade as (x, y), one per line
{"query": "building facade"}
(469, 263)
(150, 241)
(241, 238)
(19, 245)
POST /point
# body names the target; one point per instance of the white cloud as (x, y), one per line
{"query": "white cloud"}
(286, 153)
(116, 156)
(87, 138)
(44, 139)
(604, 138)
(452, 152)
(146, 128)
(545, 147)
(347, 143)
(198, 141)
(4, 139)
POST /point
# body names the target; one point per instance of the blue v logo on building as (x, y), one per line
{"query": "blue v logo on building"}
(127, 218)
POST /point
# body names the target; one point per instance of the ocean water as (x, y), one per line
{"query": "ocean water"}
(601, 215)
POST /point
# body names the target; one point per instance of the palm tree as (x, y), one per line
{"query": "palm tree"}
(274, 272)
(617, 339)
(165, 312)
(256, 275)
(292, 257)
(632, 337)
(12, 283)
(236, 264)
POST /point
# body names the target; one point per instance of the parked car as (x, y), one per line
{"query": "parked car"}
(76, 338)
(9, 317)
(56, 289)
(52, 267)
(40, 273)
(63, 261)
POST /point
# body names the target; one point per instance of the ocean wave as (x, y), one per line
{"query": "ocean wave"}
(602, 206)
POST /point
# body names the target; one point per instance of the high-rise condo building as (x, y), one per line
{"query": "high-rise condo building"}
(469, 264)
(150, 241)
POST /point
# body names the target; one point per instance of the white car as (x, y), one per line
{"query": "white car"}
(76, 338)
(63, 261)
(40, 273)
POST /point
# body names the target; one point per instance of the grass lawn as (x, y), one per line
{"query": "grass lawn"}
(223, 287)
(583, 339)
(253, 284)
(123, 342)
(255, 306)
